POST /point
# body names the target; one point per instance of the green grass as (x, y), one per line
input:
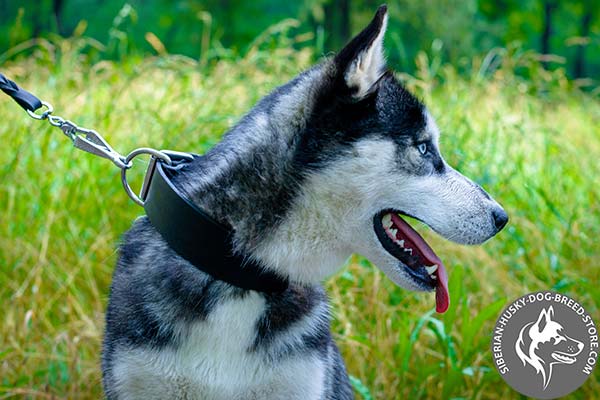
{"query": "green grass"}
(533, 144)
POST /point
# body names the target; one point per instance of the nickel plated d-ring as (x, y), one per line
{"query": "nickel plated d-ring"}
(44, 115)
(142, 150)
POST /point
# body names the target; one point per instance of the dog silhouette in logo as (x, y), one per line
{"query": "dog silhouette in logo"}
(544, 343)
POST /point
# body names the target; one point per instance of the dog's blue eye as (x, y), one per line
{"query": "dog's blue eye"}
(423, 148)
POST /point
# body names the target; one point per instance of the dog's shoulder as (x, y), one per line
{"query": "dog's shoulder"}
(166, 317)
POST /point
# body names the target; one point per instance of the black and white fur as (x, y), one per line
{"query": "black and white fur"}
(299, 180)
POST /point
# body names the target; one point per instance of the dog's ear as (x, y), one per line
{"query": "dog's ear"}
(362, 62)
(544, 318)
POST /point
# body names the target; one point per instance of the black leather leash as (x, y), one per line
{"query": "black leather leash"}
(25, 99)
(188, 230)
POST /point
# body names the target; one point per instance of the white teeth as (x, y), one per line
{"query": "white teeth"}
(399, 242)
(394, 231)
(431, 269)
(408, 250)
(387, 221)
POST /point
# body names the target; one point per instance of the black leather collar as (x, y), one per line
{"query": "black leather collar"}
(196, 236)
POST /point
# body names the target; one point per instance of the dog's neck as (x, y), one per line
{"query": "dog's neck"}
(249, 181)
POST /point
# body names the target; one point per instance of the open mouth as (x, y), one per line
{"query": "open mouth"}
(563, 358)
(417, 258)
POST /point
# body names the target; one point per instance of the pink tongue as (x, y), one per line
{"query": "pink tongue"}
(413, 240)
(442, 296)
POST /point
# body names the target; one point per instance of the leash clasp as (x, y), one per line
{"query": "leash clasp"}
(92, 142)
(84, 139)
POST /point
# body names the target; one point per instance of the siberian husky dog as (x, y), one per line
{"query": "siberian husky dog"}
(325, 166)
(543, 343)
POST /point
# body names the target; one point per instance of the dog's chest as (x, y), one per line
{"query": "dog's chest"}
(213, 360)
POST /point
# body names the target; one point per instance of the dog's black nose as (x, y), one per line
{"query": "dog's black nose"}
(500, 218)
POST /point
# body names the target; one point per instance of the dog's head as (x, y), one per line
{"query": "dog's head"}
(544, 343)
(374, 148)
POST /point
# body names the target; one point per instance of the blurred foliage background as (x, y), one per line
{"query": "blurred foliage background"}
(566, 34)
